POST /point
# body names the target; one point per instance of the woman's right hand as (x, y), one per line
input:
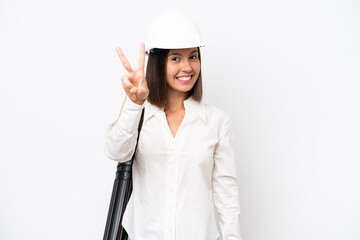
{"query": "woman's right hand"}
(134, 82)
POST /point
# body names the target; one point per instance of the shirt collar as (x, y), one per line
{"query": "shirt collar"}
(190, 104)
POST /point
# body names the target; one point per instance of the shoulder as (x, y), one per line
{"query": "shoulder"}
(219, 119)
(216, 114)
(211, 114)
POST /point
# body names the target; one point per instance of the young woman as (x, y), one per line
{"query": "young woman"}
(184, 171)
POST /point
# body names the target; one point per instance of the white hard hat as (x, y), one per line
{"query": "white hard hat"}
(172, 29)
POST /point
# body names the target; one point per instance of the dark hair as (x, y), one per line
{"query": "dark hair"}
(156, 79)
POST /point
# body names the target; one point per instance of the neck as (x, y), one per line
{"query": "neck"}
(174, 101)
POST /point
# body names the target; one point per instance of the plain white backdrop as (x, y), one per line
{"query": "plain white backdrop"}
(286, 71)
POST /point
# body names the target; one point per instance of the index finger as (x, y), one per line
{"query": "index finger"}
(142, 57)
(123, 59)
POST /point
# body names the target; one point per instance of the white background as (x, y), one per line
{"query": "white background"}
(287, 71)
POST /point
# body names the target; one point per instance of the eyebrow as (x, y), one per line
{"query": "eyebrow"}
(178, 54)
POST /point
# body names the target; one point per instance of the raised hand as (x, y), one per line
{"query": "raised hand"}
(134, 82)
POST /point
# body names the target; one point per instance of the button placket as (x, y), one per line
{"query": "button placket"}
(173, 164)
(171, 192)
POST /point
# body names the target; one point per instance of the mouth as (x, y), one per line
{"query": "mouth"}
(184, 79)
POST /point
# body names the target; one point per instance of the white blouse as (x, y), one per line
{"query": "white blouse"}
(178, 182)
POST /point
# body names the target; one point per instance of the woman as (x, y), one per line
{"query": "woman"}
(184, 168)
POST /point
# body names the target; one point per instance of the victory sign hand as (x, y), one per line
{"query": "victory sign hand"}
(134, 82)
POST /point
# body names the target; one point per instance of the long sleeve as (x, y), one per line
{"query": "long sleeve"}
(225, 189)
(120, 137)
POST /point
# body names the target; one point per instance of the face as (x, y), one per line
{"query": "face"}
(182, 69)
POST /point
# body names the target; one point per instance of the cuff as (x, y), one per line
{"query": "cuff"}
(130, 115)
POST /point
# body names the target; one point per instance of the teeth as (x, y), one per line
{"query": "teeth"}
(184, 78)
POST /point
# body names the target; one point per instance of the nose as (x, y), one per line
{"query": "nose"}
(186, 66)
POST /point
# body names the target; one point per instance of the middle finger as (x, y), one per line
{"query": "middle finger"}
(123, 59)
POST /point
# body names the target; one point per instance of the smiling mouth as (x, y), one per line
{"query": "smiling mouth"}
(184, 78)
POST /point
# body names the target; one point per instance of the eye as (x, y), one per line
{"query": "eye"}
(175, 59)
(193, 57)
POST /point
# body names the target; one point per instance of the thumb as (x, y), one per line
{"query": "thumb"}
(133, 90)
